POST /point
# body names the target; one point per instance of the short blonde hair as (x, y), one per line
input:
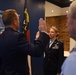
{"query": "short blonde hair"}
(55, 29)
(8, 16)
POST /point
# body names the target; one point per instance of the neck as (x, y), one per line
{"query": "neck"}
(53, 39)
(13, 27)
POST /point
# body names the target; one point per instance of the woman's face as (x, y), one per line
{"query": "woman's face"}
(52, 33)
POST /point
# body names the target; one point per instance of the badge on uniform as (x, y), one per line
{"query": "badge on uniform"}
(55, 46)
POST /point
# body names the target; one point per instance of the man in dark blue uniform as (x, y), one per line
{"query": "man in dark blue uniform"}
(14, 46)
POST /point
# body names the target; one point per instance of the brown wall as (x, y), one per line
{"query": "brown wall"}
(60, 23)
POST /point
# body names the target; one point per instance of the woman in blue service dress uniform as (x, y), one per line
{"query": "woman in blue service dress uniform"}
(54, 54)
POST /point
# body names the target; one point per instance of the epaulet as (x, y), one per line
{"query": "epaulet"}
(18, 31)
(60, 41)
(74, 49)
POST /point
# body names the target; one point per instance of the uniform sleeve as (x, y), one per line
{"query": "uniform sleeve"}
(35, 49)
(61, 56)
(68, 67)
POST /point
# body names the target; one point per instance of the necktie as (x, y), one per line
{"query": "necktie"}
(50, 43)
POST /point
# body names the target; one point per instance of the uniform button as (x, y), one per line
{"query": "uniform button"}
(49, 51)
(49, 55)
(48, 59)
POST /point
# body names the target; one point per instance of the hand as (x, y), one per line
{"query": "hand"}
(58, 74)
(37, 34)
(42, 25)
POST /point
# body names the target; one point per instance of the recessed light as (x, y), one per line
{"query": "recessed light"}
(52, 11)
(71, 0)
(66, 11)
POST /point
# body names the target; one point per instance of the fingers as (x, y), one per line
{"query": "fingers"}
(42, 25)
(37, 34)
(41, 21)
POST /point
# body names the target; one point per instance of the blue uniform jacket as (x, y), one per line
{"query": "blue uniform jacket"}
(54, 57)
(69, 65)
(14, 49)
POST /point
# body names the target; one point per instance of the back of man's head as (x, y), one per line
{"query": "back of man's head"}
(8, 16)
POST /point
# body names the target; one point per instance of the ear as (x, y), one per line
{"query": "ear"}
(75, 16)
(14, 22)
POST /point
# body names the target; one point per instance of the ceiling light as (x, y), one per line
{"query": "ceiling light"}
(71, 0)
(66, 11)
(52, 11)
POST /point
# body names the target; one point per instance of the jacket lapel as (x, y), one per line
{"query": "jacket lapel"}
(53, 43)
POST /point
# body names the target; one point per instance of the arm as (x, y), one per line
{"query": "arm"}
(68, 67)
(35, 49)
(61, 56)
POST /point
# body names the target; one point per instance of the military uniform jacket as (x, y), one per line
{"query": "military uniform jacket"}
(14, 49)
(54, 57)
